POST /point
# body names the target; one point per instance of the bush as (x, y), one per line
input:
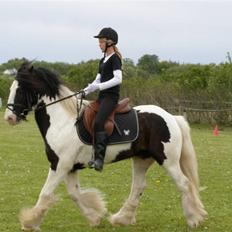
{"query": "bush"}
(5, 83)
(149, 82)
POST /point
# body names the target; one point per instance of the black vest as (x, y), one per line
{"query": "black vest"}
(106, 70)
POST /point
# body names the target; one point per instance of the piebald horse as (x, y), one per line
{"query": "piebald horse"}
(163, 138)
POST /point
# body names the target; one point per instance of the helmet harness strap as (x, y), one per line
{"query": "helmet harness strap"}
(108, 45)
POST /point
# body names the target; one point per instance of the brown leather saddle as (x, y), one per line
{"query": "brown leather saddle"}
(91, 110)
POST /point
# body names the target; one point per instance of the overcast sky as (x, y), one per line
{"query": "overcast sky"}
(182, 31)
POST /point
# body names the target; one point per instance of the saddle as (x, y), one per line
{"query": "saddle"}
(91, 110)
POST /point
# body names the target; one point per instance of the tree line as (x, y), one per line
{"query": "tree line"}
(150, 81)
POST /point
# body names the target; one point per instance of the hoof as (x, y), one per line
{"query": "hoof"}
(117, 220)
(95, 223)
(195, 221)
(30, 228)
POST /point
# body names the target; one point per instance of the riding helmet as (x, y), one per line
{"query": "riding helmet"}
(108, 33)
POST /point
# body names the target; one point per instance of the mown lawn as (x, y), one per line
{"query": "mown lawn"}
(23, 169)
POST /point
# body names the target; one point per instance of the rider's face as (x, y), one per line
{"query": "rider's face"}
(102, 44)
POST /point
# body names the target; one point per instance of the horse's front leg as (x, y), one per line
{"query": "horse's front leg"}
(31, 218)
(90, 201)
(126, 215)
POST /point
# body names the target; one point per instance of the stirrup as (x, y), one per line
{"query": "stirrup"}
(91, 164)
(98, 165)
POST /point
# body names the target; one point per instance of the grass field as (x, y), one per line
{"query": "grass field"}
(23, 169)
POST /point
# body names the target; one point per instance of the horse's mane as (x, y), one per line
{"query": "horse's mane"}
(47, 83)
(42, 80)
(50, 79)
(70, 105)
(57, 88)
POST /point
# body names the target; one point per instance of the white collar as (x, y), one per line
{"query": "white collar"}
(107, 57)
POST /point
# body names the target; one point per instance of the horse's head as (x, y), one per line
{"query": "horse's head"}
(28, 87)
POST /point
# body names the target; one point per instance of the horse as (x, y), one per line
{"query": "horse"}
(162, 138)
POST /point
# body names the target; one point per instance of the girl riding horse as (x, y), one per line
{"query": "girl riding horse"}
(108, 79)
(162, 137)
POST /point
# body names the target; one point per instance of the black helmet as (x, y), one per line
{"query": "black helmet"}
(108, 33)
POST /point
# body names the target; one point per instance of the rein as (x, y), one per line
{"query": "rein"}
(23, 116)
(62, 99)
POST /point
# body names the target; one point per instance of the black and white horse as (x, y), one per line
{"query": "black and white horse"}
(162, 137)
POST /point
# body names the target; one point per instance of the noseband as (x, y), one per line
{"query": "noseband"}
(26, 108)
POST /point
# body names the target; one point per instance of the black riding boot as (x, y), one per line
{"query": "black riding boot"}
(100, 143)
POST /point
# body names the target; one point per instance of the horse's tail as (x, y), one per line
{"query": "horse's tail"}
(188, 161)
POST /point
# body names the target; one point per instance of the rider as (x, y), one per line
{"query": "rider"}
(108, 79)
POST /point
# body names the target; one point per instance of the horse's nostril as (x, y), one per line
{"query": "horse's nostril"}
(11, 119)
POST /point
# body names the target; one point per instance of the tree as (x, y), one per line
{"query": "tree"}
(83, 73)
(129, 69)
(165, 65)
(149, 64)
(10, 64)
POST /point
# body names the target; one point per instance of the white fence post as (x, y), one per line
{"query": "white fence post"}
(0, 102)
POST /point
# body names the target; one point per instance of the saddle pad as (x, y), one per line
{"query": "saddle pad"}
(126, 122)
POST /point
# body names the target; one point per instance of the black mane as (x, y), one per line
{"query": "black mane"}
(39, 80)
(51, 81)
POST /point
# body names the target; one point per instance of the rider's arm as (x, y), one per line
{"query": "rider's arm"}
(97, 79)
(116, 80)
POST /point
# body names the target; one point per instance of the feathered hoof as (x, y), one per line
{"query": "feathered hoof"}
(30, 228)
(30, 219)
(117, 220)
(95, 223)
(196, 220)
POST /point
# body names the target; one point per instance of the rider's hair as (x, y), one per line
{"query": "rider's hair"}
(116, 50)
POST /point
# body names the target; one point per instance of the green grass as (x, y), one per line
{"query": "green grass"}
(23, 169)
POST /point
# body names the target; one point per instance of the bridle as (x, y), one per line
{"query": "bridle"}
(28, 107)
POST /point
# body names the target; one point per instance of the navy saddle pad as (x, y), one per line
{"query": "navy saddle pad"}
(127, 124)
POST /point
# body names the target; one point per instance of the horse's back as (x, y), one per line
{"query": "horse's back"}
(167, 117)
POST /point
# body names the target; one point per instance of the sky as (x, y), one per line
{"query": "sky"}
(182, 31)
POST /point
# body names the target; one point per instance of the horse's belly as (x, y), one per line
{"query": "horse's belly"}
(112, 151)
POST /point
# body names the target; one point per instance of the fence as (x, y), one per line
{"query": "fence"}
(203, 111)
(211, 112)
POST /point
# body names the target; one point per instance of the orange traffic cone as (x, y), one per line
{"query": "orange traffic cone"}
(215, 131)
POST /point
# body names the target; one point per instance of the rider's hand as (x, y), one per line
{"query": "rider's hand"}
(91, 88)
(81, 94)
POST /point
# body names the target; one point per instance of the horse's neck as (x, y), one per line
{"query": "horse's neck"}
(71, 106)
(59, 115)
(54, 117)
(65, 91)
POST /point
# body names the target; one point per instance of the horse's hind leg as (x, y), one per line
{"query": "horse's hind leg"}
(191, 203)
(126, 215)
(90, 201)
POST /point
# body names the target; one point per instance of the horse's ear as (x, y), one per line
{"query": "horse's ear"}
(30, 67)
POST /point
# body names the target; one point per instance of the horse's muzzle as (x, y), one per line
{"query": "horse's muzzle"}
(11, 119)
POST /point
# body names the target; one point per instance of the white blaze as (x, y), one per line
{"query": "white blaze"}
(11, 98)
